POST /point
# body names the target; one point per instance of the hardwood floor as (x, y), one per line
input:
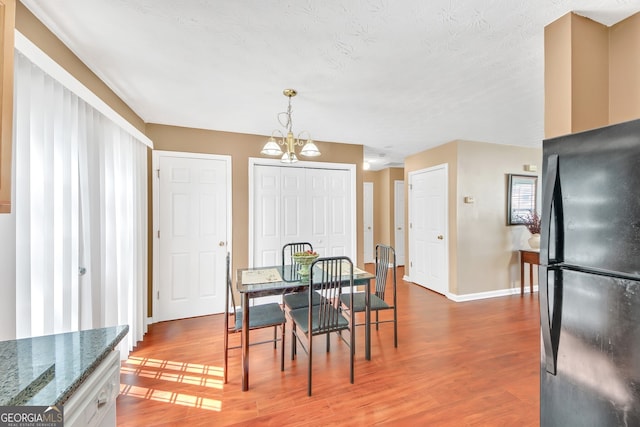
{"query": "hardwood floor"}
(460, 364)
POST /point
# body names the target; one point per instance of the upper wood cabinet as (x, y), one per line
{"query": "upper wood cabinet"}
(7, 22)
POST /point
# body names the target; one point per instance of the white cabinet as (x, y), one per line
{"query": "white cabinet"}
(94, 403)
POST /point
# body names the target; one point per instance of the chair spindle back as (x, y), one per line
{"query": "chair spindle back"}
(327, 277)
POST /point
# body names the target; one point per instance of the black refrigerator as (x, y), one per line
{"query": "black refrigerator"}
(589, 278)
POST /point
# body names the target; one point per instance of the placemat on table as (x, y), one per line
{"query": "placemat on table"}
(254, 277)
(356, 270)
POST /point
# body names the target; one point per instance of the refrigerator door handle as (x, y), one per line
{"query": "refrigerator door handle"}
(551, 202)
(550, 319)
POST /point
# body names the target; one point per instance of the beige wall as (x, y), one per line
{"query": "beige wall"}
(482, 248)
(592, 74)
(488, 257)
(557, 77)
(589, 74)
(624, 70)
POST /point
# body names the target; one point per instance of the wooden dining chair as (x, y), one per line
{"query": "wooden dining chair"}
(385, 262)
(329, 276)
(260, 316)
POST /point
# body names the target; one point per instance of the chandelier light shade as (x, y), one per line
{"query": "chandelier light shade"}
(277, 140)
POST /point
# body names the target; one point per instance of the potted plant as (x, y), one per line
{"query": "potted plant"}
(532, 222)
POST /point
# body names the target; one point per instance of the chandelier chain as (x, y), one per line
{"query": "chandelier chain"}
(288, 122)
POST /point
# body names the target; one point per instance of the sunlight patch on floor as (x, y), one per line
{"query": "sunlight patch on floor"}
(176, 377)
(170, 397)
(195, 368)
(173, 372)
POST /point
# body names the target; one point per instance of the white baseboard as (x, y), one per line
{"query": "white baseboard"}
(480, 295)
(488, 294)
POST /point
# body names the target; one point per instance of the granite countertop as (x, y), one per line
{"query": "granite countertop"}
(46, 370)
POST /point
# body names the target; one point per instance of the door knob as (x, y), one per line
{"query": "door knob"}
(368, 228)
(440, 237)
(221, 243)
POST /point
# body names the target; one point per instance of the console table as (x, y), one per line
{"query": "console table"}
(531, 257)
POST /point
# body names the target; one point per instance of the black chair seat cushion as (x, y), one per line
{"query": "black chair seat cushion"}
(262, 316)
(300, 299)
(301, 318)
(358, 302)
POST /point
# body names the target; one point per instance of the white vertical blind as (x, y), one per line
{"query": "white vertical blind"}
(80, 206)
(45, 202)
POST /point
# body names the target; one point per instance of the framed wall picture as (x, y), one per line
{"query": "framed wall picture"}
(521, 198)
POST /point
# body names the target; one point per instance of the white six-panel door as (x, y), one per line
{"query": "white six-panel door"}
(191, 218)
(296, 204)
(428, 225)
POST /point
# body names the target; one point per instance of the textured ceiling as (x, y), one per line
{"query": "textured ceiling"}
(398, 77)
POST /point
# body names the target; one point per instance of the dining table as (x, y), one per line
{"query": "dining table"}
(255, 282)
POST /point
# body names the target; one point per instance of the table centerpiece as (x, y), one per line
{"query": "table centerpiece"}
(304, 260)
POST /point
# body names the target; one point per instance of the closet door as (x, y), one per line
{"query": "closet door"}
(280, 204)
(267, 216)
(293, 204)
(329, 213)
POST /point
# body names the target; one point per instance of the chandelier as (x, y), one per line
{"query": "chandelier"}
(289, 142)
